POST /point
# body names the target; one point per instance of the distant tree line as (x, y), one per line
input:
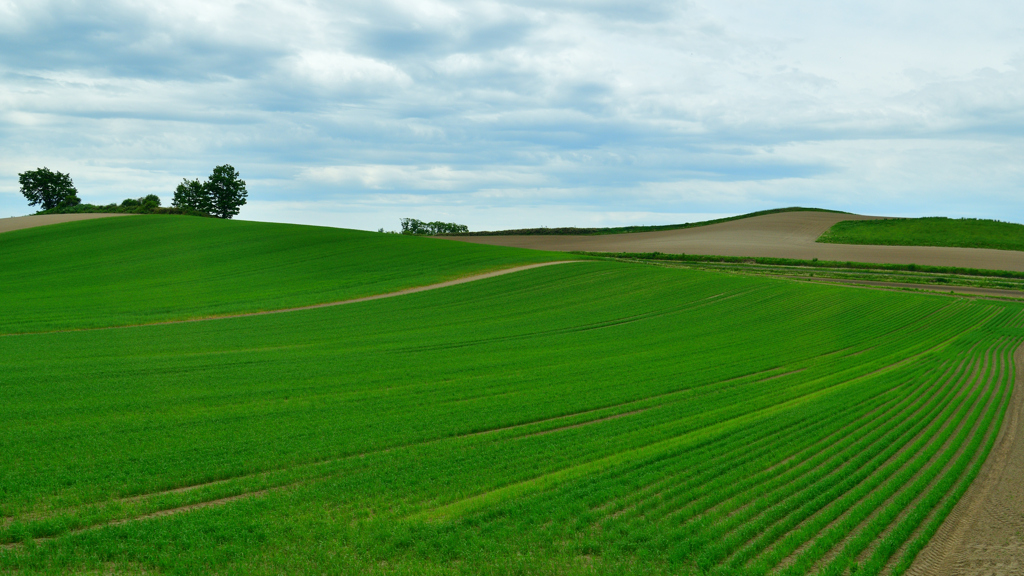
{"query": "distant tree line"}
(419, 227)
(222, 195)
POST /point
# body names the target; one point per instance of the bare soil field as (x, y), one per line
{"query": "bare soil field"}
(984, 534)
(783, 235)
(20, 222)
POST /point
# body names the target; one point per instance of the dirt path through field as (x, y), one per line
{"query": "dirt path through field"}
(457, 281)
(22, 222)
(984, 534)
(782, 235)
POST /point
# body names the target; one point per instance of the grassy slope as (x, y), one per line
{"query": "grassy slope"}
(682, 355)
(631, 229)
(121, 271)
(962, 232)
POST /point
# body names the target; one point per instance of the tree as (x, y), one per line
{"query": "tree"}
(148, 202)
(226, 191)
(222, 195)
(191, 194)
(412, 226)
(48, 189)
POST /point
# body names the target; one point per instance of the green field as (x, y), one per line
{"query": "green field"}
(139, 269)
(598, 417)
(959, 232)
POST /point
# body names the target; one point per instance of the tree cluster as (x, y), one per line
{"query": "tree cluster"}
(419, 227)
(222, 195)
(148, 202)
(48, 189)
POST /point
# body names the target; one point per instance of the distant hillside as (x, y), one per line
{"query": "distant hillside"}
(937, 231)
(571, 231)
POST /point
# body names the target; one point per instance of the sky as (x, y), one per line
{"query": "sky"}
(522, 114)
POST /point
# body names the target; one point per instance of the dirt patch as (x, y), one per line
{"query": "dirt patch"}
(784, 235)
(984, 534)
(22, 222)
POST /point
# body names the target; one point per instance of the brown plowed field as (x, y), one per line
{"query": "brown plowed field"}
(19, 222)
(782, 235)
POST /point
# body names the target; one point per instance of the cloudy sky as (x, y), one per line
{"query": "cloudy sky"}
(513, 114)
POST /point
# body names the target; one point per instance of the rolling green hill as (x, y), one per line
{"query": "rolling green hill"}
(959, 232)
(599, 417)
(121, 271)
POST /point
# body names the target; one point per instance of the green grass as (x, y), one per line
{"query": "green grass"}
(139, 269)
(602, 417)
(630, 229)
(961, 232)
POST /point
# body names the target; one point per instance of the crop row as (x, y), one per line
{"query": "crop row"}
(902, 463)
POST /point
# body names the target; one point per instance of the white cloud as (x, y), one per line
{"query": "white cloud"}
(338, 71)
(445, 178)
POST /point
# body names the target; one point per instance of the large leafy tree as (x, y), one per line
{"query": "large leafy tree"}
(226, 191)
(48, 189)
(222, 195)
